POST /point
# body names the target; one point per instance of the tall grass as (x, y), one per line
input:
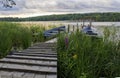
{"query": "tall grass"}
(14, 36)
(88, 57)
(37, 33)
(5, 42)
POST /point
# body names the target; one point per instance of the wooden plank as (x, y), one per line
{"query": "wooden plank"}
(17, 74)
(5, 74)
(36, 55)
(51, 76)
(28, 75)
(50, 51)
(29, 68)
(54, 63)
(32, 58)
(41, 47)
(45, 43)
(38, 61)
(30, 61)
(26, 70)
(39, 76)
(40, 50)
(43, 50)
(30, 64)
(1, 65)
(51, 69)
(37, 52)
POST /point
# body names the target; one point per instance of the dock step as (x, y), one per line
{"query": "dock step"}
(37, 55)
(38, 61)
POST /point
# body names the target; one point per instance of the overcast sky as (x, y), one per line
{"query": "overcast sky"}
(26, 8)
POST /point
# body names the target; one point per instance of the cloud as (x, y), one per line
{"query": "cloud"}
(41, 7)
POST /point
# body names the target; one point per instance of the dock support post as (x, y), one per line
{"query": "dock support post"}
(68, 28)
(58, 31)
(90, 22)
(73, 28)
(83, 23)
(77, 27)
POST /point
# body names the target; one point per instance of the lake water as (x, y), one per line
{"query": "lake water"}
(76, 22)
(97, 25)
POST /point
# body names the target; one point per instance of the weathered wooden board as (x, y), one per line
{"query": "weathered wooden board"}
(30, 61)
(38, 52)
(38, 61)
(39, 69)
(51, 76)
(32, 58)
(36, 55)
(39, 76)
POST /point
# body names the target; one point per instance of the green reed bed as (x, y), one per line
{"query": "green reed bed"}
(14, 36)
(37, 33)
(82, 56)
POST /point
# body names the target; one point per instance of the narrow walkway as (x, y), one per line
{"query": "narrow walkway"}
(38, 61)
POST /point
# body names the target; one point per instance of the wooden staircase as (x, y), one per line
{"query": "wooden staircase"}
(38, 61)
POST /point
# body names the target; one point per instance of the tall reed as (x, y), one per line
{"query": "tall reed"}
(88, 57)
(13, 36)
(37, 33)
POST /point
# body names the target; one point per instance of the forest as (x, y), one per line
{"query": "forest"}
(100, 17)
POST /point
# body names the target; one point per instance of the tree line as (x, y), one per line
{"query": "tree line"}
(101, 17)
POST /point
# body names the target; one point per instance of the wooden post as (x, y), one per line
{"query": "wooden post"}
(90, 22)
(68, 28)
(59, 31)
(73, 28)
(83, 23)
(65, 29)
(77, 27)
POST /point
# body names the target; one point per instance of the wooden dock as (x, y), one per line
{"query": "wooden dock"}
(38, 61)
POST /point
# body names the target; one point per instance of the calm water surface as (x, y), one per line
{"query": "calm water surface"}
(76, 22)
(79, 23)
(97, 25)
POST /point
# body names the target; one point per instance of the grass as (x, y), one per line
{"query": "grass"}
(82, 56)
(13, 36)
(37, 32)
(16, 36)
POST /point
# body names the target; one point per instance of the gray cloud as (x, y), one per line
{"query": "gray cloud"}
(41, 7)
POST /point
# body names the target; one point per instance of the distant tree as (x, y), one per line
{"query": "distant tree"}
(101, 17)
(7, 3)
